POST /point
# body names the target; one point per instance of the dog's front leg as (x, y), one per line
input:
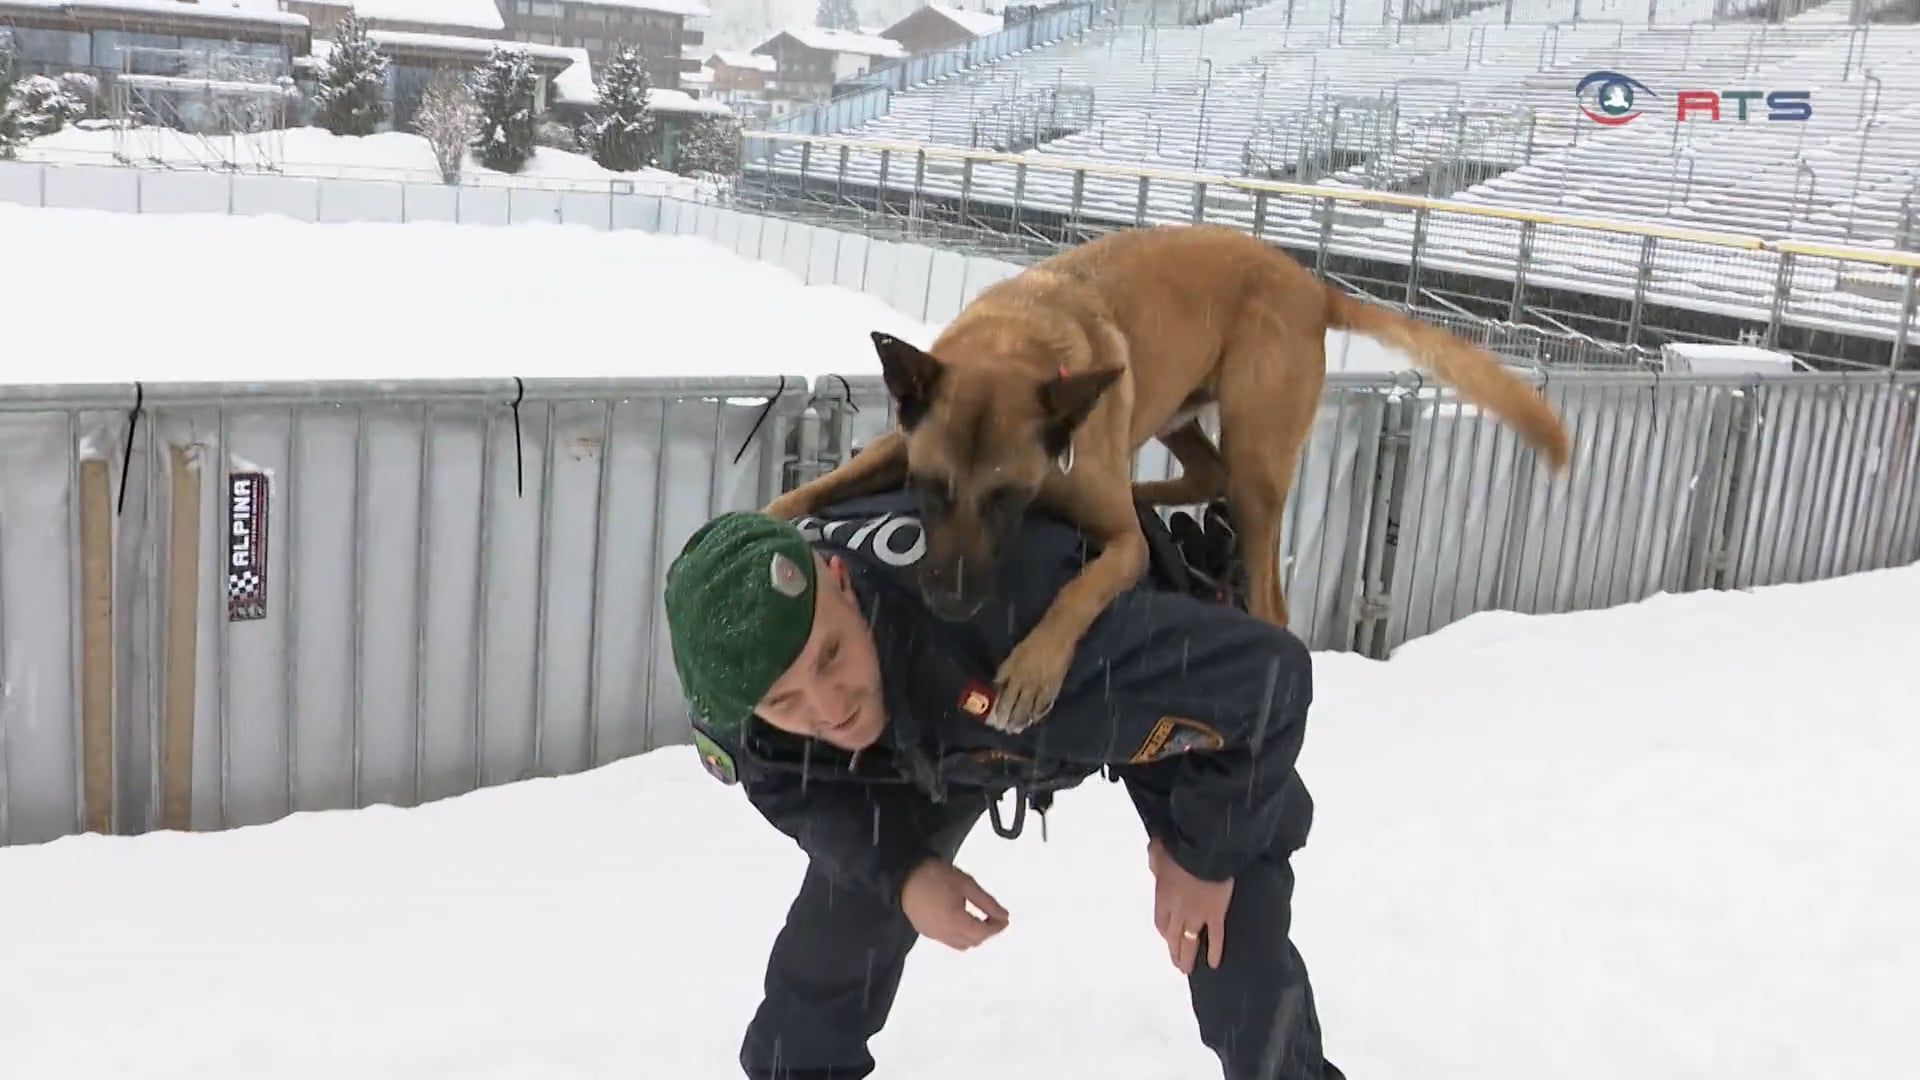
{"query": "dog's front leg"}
(880, 465)
(1101, 504)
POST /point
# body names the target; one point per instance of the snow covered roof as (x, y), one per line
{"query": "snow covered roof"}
(253, 11)
(575, 86)
(840, 41)
(457, 43)
(679, 101)
(977, 23)
(473, 14)
(693, 9)
(698, 78)
(744, 60)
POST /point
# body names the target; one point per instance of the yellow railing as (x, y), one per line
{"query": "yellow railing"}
(1884, 257)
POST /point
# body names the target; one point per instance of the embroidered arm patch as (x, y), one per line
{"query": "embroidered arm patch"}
(1175, 735)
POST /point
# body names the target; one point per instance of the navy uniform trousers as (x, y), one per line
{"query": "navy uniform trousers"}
(836, 965)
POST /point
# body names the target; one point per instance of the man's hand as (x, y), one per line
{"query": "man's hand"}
(934, 899)
(1184, 906)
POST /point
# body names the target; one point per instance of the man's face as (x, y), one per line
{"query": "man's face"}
(831, 692)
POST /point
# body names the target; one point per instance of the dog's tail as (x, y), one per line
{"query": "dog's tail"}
(1466, 367)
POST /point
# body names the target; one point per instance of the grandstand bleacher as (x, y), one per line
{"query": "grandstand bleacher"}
(1476, 107)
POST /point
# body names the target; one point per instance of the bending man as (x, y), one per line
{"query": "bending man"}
(852, 716)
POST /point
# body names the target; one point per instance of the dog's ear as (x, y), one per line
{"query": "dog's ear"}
(1066, 401)
(911, 376)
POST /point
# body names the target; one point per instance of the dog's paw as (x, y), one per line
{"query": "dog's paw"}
(786, 507)
(1027, 684)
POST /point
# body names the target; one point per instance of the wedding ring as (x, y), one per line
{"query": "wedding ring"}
(1190, 935)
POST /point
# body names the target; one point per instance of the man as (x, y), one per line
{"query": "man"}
(852, 716)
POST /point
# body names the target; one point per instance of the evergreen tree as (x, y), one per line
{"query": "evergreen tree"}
(30, 107)
(13, 124)
(710, 149)
(504, 90)
(836, 15)
(350, 97)
(621, 132)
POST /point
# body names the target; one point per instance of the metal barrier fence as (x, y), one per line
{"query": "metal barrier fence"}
(1639, 284)
(220, 604)
(1411, 510)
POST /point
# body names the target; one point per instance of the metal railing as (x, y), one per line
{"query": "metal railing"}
(1636, 283)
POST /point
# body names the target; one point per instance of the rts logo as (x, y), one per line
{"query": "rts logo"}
(1616, 96)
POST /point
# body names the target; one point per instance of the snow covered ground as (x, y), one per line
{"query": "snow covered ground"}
(317, 152)
(1670, 840)
(684, 306)
(254, 298)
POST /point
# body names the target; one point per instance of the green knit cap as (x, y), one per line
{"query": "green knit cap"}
(739, 602)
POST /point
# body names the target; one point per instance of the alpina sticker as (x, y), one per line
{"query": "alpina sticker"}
(787, 579)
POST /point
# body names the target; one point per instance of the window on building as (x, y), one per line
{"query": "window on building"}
(51, 48)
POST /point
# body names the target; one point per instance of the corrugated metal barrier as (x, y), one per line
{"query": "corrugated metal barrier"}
(220, 604)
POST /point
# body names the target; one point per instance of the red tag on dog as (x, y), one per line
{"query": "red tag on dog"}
(976, 700)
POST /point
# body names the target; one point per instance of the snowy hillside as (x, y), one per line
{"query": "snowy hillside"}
(1625, 843)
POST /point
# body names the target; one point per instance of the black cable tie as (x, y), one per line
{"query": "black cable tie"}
(126, 454)
(767, 408)
(519, 454)
(848, 387)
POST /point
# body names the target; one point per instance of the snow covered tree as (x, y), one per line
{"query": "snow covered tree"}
(83, 91)
(837, 15)
(13, 133)
(448, 117)
(503, 88)
(621, 130)
(46, 105)
(710, 148)
(350, 95)
(31, 107)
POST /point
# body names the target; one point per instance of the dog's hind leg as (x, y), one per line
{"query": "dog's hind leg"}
(880, 465)
(1203, 476)
(1269, 393)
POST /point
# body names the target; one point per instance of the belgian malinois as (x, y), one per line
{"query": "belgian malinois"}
(1043, 387)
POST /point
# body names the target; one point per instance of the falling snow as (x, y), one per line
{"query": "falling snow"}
(1668, 840)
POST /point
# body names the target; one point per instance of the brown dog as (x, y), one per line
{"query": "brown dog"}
(1044, 386)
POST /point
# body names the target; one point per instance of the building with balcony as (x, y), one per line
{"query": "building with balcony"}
(657, 28)
(941, 26)
(810, 59)
(474, 18)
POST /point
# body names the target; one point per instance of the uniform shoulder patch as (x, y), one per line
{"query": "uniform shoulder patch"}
(1175, 735)
(717, 762)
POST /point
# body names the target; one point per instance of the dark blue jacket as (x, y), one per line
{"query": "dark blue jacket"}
(1195, 698)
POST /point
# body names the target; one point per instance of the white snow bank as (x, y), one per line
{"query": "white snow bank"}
(317, 152)
(256, 298)
(1668, 840)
